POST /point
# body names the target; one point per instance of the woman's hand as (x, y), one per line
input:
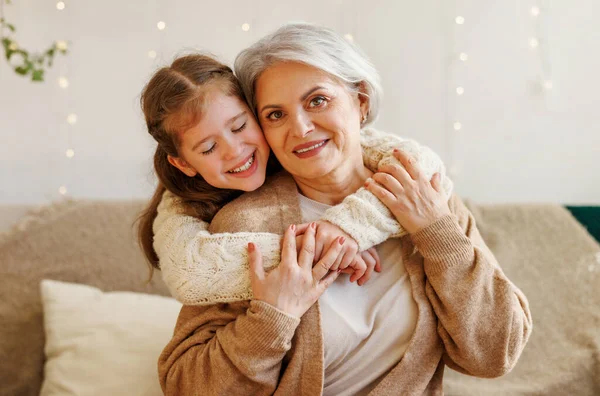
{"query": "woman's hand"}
(360, 265)
(295, 285)
(415, 201)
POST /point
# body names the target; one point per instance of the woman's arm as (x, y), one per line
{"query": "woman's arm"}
(362, 215)
(484, 319)
(238, 348)
(226, 349)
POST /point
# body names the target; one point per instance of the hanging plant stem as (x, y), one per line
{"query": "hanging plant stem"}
(23, 62)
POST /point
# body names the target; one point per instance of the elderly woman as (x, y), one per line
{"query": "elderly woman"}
(441, 298)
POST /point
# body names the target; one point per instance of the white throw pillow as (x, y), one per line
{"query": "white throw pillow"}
(103, 343)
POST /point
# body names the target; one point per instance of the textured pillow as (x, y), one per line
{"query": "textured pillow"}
(84, 242)
(103, 343)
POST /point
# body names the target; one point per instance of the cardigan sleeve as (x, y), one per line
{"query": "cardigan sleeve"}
(362, 215)
(226, 349)
(203, 268)
(483, 318)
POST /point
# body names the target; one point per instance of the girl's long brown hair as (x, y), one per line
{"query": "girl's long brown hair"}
(173, 101)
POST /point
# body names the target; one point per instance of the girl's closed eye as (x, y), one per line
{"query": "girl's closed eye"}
(240, 129)
(210, 150)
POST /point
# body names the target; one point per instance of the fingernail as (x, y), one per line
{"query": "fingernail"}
(342, 240)
(339, 270)
(396, 151)
(367, 183)
(313, 225)
(250, 247)
(293, 227)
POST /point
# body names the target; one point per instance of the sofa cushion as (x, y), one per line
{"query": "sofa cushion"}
(103, 343)
(556, 262)
(92, 243)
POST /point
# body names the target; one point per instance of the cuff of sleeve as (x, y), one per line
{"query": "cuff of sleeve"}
(365, 218)
(276, 329)
(443, 244)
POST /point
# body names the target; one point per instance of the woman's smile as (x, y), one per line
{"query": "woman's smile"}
(310, 149)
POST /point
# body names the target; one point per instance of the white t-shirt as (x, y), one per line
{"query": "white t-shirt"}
(366, 329)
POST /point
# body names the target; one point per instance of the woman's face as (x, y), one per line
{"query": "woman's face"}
(227, 147)
(310, 120)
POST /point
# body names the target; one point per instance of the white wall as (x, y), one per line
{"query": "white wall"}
(517, 144)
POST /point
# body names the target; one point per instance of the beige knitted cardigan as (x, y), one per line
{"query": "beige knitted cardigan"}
(471, 317)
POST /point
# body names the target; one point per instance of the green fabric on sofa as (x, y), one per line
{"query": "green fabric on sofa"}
(589, 217)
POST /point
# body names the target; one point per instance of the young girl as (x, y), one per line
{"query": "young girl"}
(210, 150)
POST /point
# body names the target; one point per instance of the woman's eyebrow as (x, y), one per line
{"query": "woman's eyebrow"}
(306, 95)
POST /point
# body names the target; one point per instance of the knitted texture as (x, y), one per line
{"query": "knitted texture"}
(362, 215)
(201, 268)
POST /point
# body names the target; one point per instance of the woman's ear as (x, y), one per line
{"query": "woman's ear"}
(363, 99)
(182, 165)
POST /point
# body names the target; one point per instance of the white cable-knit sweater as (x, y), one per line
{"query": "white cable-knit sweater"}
(203, 268)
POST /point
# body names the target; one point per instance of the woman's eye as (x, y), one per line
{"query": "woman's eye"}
(210, 150)
(275, 115)
(240, 129)
(317, 101)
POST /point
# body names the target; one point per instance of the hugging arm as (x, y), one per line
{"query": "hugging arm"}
(483, 318)
(203, 268)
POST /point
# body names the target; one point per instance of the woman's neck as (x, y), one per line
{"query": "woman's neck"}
(331, 189)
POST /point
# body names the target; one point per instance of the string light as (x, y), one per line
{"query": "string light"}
(61, 45)
(463, 57)
(460, 90)
(151, 54)
(70, 153)
(63, 82)
(349, 37)
(460, 20)
(534, 42)
(547, 85)
(535, 11)
(161, 25)
(62, 190)
(72, 119)
(245, 27)
(60, 5)
(457, 126)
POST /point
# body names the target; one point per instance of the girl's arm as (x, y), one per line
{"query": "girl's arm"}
(202, 268)
(362, 215)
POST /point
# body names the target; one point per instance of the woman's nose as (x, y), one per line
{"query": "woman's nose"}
(302, 124)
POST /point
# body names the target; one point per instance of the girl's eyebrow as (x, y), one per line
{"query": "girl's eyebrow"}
(233, 119)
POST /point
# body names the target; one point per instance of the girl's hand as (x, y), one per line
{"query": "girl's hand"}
(295, 285)
(360, 265)
(415, 201)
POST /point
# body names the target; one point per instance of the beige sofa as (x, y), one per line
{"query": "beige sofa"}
(542, 248)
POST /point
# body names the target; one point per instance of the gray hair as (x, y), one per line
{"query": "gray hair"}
(316, 46)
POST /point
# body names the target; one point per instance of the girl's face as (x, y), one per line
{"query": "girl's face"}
(227, 147)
